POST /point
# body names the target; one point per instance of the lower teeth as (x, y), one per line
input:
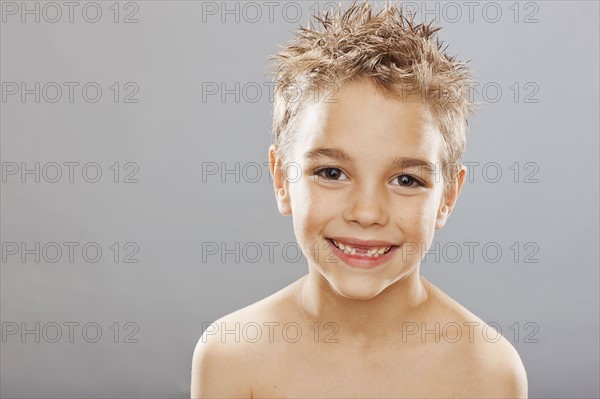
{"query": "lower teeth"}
(375, 255)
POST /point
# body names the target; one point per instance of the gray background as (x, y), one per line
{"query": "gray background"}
(169, 53)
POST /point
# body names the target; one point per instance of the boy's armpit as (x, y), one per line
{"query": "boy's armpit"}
(220, 370)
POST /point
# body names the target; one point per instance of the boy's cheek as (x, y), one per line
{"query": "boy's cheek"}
(419, 224)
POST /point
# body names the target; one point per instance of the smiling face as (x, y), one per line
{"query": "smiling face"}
(362, 171)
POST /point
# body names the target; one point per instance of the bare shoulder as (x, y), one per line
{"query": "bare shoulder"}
(497, 371)
(484, 363)
(224, 358)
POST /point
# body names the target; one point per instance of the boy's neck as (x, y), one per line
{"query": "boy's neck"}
(364, 323)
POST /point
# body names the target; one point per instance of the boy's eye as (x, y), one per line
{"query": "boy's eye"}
(333, 174)
(408, 181)
(329, 173)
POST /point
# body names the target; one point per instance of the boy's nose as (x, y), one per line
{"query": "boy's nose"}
(367, 207)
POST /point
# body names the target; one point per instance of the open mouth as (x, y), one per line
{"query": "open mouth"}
(373, 252)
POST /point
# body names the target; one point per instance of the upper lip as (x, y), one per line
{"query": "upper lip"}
(355, 242)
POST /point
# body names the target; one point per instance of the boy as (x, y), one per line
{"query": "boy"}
(373, 138)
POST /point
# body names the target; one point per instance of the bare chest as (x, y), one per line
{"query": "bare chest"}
(419, 372)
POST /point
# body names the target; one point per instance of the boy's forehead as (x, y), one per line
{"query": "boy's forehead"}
(361, 104)
(360, 91)
(361, 120)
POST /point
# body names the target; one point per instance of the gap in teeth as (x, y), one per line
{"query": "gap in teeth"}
(375, 252)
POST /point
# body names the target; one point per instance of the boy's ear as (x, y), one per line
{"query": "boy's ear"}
(449, 200)
(280, 183)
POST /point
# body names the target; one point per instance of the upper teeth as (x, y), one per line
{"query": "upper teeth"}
(351, 250)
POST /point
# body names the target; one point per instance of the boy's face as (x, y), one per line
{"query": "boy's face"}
(364, 196)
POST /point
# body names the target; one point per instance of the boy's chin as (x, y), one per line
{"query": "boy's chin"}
(357, 290)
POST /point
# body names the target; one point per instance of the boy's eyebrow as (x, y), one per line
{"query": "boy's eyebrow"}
(333, 153)
(341, 156)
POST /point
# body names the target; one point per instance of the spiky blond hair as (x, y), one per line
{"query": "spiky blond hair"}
(391, 50)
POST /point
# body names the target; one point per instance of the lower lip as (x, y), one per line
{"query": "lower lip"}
(361, 262)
